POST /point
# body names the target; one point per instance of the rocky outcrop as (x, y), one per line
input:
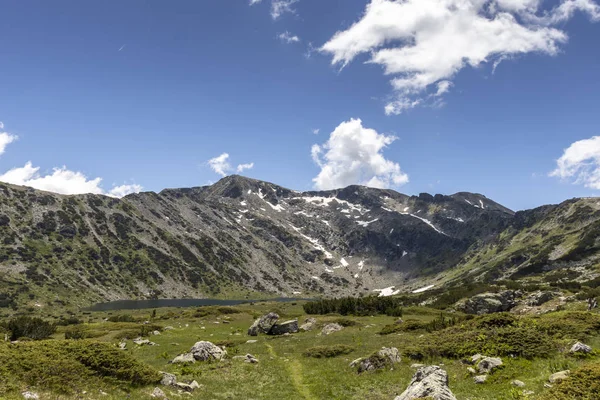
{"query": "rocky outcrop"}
(540, 297)
(206, 351)
(308, 325)
(263, 324)
(428, 382)
(331, 328)
(580, 348)
(487, 303)
(284, 327)
(157, 393)
(386, 357)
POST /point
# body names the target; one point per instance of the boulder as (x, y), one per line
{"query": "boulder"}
(143, 342)
(540, 297)
(471, 370)
(168, 379)
(185, 358)
(476, 358)
(308, 325)
(330, 328)
(157, 393)
(263, 324)
(122, 345)
(284, 327)
(479, 379)
(487, 364)
(517, 383)
(30, 395)
(386, 357)
(487, 303)
(206, 351)
(251, 341)
(431, 382)
(559, 376)
(580, 348)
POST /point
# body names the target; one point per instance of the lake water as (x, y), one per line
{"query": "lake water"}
(143, 304)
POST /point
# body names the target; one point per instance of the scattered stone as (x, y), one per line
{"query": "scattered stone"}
(559, 376)
(206, 351)
(479, 379)
(157, 393)
(399, 321)
(429, 382)
(476, 358)
(225, 322)
(168, 328)
(168, 379)
(252, 341)
(580, 348)
(143, 342)
(155, 333)
(487, 364)
(308, 325)
(518, 383)
(286, 327)
(355, 362)
(249, 358)
(330, 328)
(184, 359)
(263, 324)
(122, 345)
(417, 365)
(540, 297)
(186, 387)
(30, 395)
(528, 392)
(195, 385)
(471, 370)
(383, 358)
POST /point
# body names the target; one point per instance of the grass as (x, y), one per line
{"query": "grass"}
(284, 370)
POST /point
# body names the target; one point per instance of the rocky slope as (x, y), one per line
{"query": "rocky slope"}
(238, 237)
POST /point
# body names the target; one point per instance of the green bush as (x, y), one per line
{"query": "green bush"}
(328, 351)
(497, 320)
(30, 327)
(569, 325)
(346, 322)
(75, 332)
(409, 325)
(121, 318)
(582, 384)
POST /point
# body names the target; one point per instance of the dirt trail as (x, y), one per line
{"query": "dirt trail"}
(294, 368)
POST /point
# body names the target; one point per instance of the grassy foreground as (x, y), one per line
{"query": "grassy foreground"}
(94, 368)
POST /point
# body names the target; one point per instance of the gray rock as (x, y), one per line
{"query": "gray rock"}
(157, 393)
(540, 297)
(168, 379)
(263, 324)
(30, 395)
(286, 327)
(486, 303)
(143, 342)
(559, 376)
(249, 358)
(429, 381)
(415, 366)
(386, 357)
(155, 333)
(518, 383)
(251, 341)
(187, 387)
(471, 370)
(476, 358)
(487, 364)
(479, 379)
(184, 359)
(122, 345)
(355, 362)
(580, 348)
(331, 328)
(308, 325)
(206, 351)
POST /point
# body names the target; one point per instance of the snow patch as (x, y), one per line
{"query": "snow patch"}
(344, 262)
(364, 224)
(423, 289)
(426, 221)
(389, 291)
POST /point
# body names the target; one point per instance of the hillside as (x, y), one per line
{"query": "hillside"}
(237, 238)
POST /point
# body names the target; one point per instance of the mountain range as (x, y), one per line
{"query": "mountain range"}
(244, 238)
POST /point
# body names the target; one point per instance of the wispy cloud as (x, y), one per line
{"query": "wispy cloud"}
(287, 37)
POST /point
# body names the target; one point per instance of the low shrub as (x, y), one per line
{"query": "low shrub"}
(497, 320)
(30, 327)
(409, 325)
(122, 318)
(576, 325)
(346, 322)
(328, 351)
(582, 384)
(75, 332)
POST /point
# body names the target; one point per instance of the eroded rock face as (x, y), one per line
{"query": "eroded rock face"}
(206, 351)
(263, 324)
(487, 303)
(331, 328)
(308, 325)
(284, 327)
(429, 382)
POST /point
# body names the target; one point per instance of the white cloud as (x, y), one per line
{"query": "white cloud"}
(242, 167)
(420, 43)
(287, 37)
(280, 7)
(580, 163)
(353, 155)
(316, 131)
(253, 2)
(62, 180)
(221, 166)
(5, 139)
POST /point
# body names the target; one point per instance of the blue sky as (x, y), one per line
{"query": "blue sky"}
(147, 92)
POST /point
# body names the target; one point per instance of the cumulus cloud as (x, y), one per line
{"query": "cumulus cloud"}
(353, 155)
(580, 163)
(220, 165)
(287, 37)
(421, 43)
(5, 139)
(280, 7)
(62, 180)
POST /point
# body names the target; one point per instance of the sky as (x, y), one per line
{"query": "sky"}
(498, 97)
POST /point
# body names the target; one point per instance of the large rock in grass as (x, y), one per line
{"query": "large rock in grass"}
(487, 303)
(284, 327)
(428, 382)
(206, 351)
(308, 325)
(487, 364)
(559, 376)
(186, 358)
(330, 328)
(540, 297)
(263, 324)
(386, 357)
(580, 348)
